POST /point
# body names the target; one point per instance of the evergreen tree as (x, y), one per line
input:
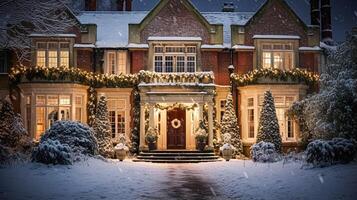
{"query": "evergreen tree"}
(229, 125)
(268, 129)
(102, 128)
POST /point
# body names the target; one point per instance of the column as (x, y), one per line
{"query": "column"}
(152, 116)
(210, 124)
(142, 126)
(200, 112)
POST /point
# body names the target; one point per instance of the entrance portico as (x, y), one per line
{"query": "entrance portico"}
(175, 111)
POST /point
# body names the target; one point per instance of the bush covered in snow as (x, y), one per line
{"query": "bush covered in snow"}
(15, 142)
(268, 129)
(52, 152)
(79, 138)
(327, 152)
(264, 152)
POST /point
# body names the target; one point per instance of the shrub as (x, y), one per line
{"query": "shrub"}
(264, 152)
(344, 150)
(52, 152)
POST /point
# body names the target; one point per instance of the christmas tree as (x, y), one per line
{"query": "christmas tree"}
(102, 128)
(268, 129)
(229, 125)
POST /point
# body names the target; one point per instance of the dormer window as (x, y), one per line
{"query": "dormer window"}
(174, 58)
(52, 54)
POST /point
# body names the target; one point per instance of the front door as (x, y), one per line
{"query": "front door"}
(176, 126)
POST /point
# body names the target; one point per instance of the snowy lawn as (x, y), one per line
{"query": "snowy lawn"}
(237, 179)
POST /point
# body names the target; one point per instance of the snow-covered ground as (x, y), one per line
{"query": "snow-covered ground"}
(237, 179)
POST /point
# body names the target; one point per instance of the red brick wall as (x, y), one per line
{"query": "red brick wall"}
(175, 20)
(138, 61)
(309, 61)
(244, 62)
(275, 19)
(221, 73)
(85, 60)
(209, 61)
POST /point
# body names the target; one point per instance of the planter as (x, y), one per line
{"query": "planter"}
(120, 154)
(152, 146)
(201, 146)
(227, 154)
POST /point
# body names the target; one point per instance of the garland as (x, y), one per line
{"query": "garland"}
(135, 131)
(296, 74)
(150, 77)
(176, 105)
(91, 105)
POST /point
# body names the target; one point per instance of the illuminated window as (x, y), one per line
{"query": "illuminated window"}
(52, 53)
(222, 108)
(111, 63)
(251, 118)
(278, 56)
(174, 58)
(116, 111)
(41, 58)
(122, 62)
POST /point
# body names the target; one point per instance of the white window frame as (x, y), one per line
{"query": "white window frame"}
(58, 52)
(175, 54)
(275, 51)
(251, 107)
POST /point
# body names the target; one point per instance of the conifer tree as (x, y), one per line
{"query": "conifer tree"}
(229, 124)
(268, 129)
(102, 128)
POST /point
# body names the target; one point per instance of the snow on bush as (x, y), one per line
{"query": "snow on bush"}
(79, 137)
(102, 128)
(264, 152)
(268, 129)
(52, 152)
(338, 150)
(15, 142)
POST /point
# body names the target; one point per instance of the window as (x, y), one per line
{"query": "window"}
(116, 110)
(290, 127)
(28, 113)
(116, 62)
(79, 108)
(174, 58)
(4, 62)
(222, 108)
(278, 56)
(251, 118)
(52, 54)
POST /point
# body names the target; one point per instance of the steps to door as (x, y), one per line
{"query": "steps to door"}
(176, 156)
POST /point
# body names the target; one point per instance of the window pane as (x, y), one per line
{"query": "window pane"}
(78, 100)
(121, 122)
(41, 58)
(52, 100)
(288, 60)
(78, 116)
(158, 63)
(122, 62)
(251, 123)
(180, 64)
(191, 49)
(53, 45)
(41, 45)
(40, 100)
(52, 58)
(290, 127)
(52, 115)
(278, 60)
(251, 102)
(40, 122)
(112, 122)
(169, 63)
(64, 45)
(159, 49)
(64, 59)
(266, 60)
(191, 63)
(65, 100)
(111, 63)
(64, 114)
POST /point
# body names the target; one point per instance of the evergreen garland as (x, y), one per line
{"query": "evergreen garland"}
(230, 126)
(135, 132)
(268, 129)
(91, 105)
(102, 128)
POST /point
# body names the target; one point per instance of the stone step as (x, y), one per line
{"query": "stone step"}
(176, 151)
(175, 161)
(177, 157)
(176, 154)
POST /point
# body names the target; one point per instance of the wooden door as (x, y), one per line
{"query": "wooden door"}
(176, 129)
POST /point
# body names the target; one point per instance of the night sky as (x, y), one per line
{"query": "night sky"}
(344, 12)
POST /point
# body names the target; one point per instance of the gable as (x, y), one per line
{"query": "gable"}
(275, 17)
(176, 18)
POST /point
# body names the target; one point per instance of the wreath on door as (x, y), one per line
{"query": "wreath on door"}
(176, 123)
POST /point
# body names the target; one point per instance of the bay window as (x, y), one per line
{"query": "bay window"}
(277, 56)
(52, 54)
(178, 59)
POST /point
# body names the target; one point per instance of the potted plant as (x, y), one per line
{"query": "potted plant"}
(121, 149)
(227, 149)
(151, 138)
(201, 136)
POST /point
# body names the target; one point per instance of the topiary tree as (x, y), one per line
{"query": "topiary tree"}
(268, 129)
(229, 125)
(102, 128)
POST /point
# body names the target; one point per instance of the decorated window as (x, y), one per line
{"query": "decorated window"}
(52, 54)
(116, 109)
(251, 118)
(277, 56)
(178, 59)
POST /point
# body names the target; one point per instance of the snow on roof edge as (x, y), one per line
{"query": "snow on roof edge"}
(293, 37)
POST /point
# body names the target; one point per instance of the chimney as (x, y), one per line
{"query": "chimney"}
(124, 5)
(315, 12)
(90, 5)
(326, 28)
(228, 7)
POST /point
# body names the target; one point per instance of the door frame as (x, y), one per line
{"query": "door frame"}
(183, 128)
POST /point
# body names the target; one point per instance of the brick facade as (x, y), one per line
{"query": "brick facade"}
(138, 61)
(175, 20)
(85, 60)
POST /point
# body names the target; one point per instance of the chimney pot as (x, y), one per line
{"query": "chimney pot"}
(228, 7)
(326, 28)
(90, 5)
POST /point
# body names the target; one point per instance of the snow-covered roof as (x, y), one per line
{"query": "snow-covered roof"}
(84, 46)
(315, 48)
(292, 37)
(215, 46)
(113, 26)
(243, 47)
(51, 35)
(174, 39)
(138, 46)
